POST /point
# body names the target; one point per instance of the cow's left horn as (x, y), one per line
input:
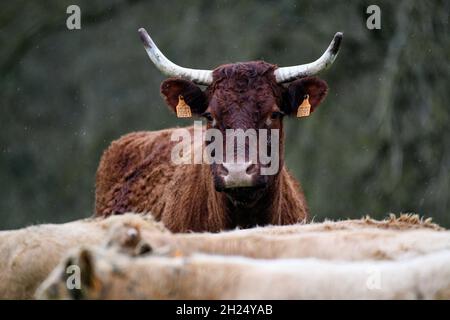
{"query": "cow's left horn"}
(168, 67)
(286, 74)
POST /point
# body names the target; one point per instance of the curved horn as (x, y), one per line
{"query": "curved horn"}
(286, 74)
(168, 67)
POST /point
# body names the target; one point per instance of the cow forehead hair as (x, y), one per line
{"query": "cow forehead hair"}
(246, 70)
(250, 81)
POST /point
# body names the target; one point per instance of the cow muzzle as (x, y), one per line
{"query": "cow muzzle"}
(237, 175)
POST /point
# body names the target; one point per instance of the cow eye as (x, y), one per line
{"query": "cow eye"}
(208, 116)
(277, 115)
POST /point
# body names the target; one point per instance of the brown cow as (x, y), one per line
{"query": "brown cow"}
(136, 172)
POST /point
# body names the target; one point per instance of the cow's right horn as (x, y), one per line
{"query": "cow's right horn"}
(168, 67)
(287, 74)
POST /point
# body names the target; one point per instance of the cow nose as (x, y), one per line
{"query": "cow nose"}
(238, 174)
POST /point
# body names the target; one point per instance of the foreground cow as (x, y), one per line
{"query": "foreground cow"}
(215, 277)
(136, 172)
(28, 255)
(109, 275)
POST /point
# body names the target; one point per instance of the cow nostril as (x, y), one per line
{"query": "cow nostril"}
(237, 175)
(252, 169)
(221, 170)
(234, 168)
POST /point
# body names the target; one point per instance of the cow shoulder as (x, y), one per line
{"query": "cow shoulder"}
(130, 169)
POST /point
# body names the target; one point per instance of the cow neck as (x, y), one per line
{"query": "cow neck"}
(261, 211)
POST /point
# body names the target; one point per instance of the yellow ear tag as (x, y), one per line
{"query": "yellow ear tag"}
(304, 110)
(183, 109)
(178, 253)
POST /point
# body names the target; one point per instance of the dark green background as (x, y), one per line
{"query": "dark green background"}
(380, 142)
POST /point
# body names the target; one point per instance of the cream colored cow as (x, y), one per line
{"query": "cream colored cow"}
(111, 275)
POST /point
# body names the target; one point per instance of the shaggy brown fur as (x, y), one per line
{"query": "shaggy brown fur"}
(136, 174)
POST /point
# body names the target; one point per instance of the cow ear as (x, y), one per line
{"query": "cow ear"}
(174, 89)
(89, 278)
(311, 88)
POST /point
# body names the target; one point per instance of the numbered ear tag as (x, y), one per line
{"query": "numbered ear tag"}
(304, 110)
(183, 109)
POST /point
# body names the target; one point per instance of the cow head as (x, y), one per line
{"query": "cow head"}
(248, 96)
